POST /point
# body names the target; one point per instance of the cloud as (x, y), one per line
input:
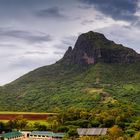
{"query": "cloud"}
(69, 40)
(58, 53)
(117, 9)
(125, 35)
(36, 52)
(136, 24)
(86, 22)
(53, 12)
(99, 17)
(30, 37)
(7, 45)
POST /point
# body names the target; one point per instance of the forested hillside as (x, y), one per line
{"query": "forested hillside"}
(96, 73)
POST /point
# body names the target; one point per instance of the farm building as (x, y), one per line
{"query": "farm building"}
(46, 134)
(92, 131)
(26, 133)
(11, 136)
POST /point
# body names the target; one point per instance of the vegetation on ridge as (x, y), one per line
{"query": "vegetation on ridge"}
(57, 87)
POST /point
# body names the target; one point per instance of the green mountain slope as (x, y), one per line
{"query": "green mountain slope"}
(88, 76)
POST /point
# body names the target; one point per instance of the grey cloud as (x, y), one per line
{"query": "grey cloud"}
(8, 45)
(69, 40)
(25, 35)
(99, 17)
(58, 53)
(53, 12)
(61, 47)
(85, 22)
(136, 24)
(31, 62)
(36, 52)
(126, 35)
(24, 62)
(84, 7)
(117, 9)
(64, 44)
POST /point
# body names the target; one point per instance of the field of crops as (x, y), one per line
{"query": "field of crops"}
(24, 115)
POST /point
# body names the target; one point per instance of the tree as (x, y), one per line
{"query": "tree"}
(120, 138)
(54, 125)
(137, 124)
(11, 124)
(87, 138)
(18, 124)
(93, 138)
(108, 122)
(95, 123)
(40, 127)
(72, 133)
(2, 126)
(115, 132)
(52, 118)
(22, 124)
(136, 136)
(84, 115)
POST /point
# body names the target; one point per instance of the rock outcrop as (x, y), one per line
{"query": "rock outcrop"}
(93, 47)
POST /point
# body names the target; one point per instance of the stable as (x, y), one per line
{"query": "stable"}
(11, 136)
(46, 134)
(92, 131)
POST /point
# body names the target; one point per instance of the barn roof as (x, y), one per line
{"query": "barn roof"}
(11, 134)
(42, 133)
(91, 131)
(47, 133)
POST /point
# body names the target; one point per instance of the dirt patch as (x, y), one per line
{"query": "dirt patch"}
(24, 116)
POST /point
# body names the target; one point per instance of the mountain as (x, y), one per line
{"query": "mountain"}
(96, 73)
(93, 47)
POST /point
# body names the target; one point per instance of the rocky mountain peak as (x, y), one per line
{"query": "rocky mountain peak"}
(68, 52)
(93, 47)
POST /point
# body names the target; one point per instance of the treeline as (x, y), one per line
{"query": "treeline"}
(122, 123)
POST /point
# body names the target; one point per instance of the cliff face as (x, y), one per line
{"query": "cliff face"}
(93, 47)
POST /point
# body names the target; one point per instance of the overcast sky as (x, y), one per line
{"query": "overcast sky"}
(35, 33)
